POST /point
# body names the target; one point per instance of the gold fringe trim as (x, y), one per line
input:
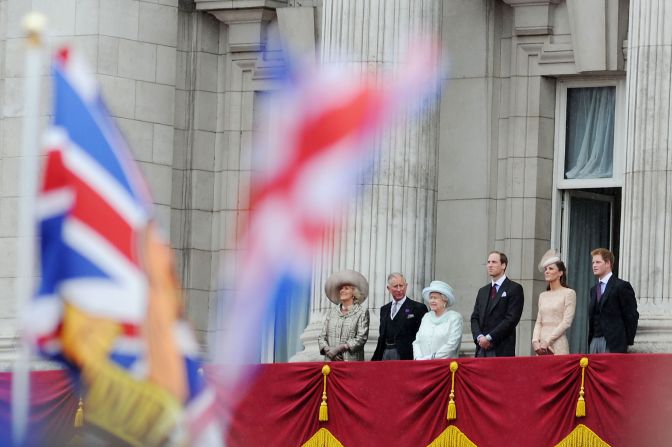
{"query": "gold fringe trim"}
(452, 409)
(452, 437)
(79, 414)
(138, 412)
(582, 436)
(324, 410)
(322, 438)
(581, 403)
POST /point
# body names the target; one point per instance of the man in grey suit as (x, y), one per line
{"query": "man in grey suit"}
(497, 311)
(612, 308)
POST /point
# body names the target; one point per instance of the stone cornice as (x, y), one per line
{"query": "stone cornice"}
(532, 17)
(239, 16)
(247, 21)
(515, 3)
(595, 40)
(222, 5)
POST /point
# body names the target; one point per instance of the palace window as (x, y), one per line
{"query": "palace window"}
(589, 156)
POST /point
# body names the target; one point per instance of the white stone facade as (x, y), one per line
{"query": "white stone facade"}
(183, 79)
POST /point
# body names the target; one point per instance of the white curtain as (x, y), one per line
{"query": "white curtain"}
(590, 132)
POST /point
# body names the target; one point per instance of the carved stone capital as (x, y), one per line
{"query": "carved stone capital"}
(594, 42)
(218, 5)
(532, 17)
(247, 20)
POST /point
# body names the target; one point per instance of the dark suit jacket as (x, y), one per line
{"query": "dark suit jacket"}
(411, 313)
(499, 318)
(618, 314)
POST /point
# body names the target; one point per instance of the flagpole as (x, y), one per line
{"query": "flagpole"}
(33, 24)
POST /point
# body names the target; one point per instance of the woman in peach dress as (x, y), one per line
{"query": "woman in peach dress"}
(556, 308)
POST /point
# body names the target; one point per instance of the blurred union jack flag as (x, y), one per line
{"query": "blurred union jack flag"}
(320, 142)
(108, 303)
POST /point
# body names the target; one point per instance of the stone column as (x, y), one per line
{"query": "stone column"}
(232, 54)
(647, 194)
(520, 173)
(390, 226)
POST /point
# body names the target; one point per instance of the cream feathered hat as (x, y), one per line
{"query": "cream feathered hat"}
(550, 257)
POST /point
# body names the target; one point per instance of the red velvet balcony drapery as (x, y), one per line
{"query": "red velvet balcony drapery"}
(524, 401)
(53, 403)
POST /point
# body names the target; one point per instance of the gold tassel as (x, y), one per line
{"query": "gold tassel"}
(79, 414)
(581, 404)
(452, 409)
(324, 411)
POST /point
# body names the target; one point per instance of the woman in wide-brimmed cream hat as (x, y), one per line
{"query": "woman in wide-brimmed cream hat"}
(346, 327)
(440, 332)
(556, 308)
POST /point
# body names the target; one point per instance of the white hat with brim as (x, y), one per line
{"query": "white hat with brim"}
(439, 287)
(550, 257)
(334, 283)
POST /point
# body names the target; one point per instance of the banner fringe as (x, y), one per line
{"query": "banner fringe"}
(322, 438)
(452, 437)
(582, 436)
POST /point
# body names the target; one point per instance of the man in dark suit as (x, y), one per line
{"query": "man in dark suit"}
(497, 311)
(399, 322)
(612, 308)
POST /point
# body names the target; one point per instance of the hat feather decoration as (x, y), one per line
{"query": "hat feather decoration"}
(550, 257)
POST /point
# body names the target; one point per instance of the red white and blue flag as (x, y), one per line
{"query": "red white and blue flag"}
(108, 284)
(92, 206)
(321, 141)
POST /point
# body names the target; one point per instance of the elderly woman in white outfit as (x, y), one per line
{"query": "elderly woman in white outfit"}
(440, 332)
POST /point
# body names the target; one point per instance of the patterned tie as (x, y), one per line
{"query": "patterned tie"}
(598, 291)
(395, 308)
(493, 292)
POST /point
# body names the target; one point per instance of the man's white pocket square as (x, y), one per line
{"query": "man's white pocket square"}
(503, 294)
(409, 316)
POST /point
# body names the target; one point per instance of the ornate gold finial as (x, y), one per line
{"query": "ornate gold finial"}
(581, 403)
(33, 24)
